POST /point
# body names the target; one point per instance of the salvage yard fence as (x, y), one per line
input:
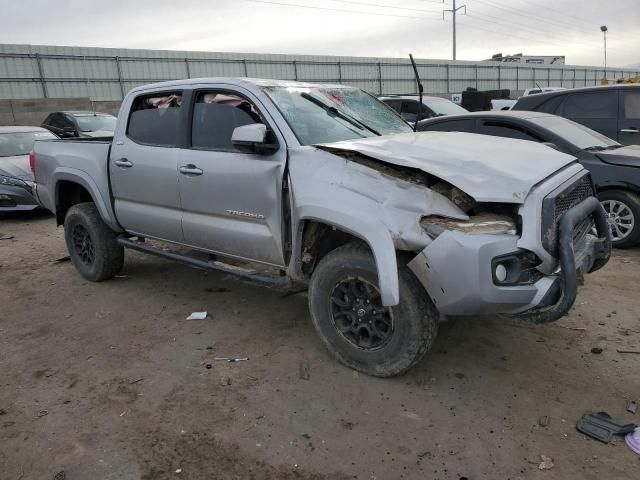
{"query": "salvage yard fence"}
(108, 74)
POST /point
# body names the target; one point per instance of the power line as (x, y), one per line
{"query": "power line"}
(379, 5)
(527, 29)
(361, 12)
(560, 12)
(512, 10)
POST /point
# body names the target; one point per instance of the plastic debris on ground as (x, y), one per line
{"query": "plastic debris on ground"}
(546, 463)
(602, 427)
(632, 406)
(633, 440)
(197, 316)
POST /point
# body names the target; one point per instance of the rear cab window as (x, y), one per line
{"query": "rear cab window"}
(631, 104)
(155, 119)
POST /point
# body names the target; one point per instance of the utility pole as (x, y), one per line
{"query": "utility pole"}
(604, 30)
(453, 10)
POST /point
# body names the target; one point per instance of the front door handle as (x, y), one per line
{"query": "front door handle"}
(124, 163)
(629, 130)
(190, 169)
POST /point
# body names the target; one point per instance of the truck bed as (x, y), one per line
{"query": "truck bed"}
(86, 159)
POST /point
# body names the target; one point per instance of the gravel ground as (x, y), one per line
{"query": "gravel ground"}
(109, 381)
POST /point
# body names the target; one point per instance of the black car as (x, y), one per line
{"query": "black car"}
(612, 110)
(80, 124)
(615, 169)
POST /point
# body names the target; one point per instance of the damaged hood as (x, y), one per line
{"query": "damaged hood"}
(489, 169)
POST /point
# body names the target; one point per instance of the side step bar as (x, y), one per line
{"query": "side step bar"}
(276, 281)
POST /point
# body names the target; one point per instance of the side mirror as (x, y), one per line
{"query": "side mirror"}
(551, 145)
(251, 139)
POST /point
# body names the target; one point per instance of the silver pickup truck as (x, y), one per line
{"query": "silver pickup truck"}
(325, 186)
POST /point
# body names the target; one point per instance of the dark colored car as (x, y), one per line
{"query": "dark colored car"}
(407, 107)
(16, 178)
(615, 169)
(80, 124)
(612, 110)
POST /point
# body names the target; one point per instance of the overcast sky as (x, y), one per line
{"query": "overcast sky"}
(336, 27)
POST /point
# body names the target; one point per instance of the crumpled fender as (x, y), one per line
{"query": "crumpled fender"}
(374, 233)
(382, 210)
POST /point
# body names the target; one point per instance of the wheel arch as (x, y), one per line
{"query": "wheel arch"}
(319, 231)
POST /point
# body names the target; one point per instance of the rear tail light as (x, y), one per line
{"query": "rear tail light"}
(32, 162)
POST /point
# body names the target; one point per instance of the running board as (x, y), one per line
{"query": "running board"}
(277, 281)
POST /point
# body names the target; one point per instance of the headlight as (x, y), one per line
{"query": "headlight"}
(485, 223)
(13, 182)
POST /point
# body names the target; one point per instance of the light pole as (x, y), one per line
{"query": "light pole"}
(604, 30)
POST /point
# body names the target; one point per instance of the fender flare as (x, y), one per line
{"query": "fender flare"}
(371, 231)
(83, 179)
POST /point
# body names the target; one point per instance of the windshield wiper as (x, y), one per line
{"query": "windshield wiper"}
(600, 148)
(339, 113)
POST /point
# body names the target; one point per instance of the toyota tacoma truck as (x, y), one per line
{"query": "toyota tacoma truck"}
(325, 186)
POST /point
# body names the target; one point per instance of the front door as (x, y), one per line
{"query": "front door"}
(143, 167)
(232, 201)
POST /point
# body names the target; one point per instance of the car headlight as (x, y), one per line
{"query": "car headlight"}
(485, 223)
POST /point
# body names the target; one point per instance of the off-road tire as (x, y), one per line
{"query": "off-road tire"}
(632, 202)
(415, 318)
(108, 256)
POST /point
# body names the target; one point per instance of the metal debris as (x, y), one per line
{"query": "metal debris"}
(620, 350)
(632, 406)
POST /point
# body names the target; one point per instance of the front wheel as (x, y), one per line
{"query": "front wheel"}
(91, 243)
(623, 215)
(347, 311)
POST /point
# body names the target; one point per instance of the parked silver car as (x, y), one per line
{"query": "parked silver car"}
(16, 178)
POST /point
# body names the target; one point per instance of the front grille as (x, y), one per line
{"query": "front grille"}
(556, 204)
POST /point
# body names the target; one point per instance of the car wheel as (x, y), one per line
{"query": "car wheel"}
(623, 215)
(91, 243)
(347, 311)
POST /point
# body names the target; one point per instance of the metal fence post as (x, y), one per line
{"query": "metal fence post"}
(499, 77)
(517, 78)
(476, 76)
(244, 64)
(448, 79)
(380, 77)
(186, 64)
(42, 79)
(295, 70)
(339, 72)
(120, 77)
(549, 77)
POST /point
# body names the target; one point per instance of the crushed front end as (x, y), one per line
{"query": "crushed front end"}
(526, 263)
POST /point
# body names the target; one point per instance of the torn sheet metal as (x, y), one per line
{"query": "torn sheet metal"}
(482, 166)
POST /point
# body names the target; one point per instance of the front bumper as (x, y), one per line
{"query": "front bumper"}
(15, 199)
(456, 270)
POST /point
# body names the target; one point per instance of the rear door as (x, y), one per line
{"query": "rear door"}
(232, 201)
(629, 123)
(597, 110)
(143, 167)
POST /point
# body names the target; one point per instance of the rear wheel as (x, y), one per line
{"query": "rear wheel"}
(623, 215)
(347, 311)
(91, 243)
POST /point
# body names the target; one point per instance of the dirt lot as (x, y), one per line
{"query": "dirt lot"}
(109, 381)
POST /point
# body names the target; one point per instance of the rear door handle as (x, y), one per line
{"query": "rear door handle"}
(190, 170)
(629, 130)
(124, 163)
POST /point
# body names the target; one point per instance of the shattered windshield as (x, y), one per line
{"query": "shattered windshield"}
(325, 115)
